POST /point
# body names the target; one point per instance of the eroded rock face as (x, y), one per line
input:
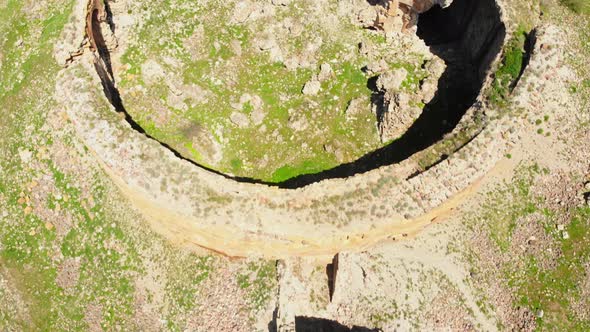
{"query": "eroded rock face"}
(402, 106)
(394, 16)
(397, 117)
(420, 6)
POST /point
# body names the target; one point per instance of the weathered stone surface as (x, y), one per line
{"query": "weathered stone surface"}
(429, 86)
(398, 116)
(240, 119)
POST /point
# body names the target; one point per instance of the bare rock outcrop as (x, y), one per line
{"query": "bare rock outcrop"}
(429, 86)
(398, 117)
(393, 16)
(401, 108)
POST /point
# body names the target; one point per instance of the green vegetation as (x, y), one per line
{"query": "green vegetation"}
(548, 282)
(66, 248)
(578, 6)
(382, 315)
(27, 249)
(307, 167)
(509, 70)
(554, 290)
(259, 280)
(184, 278)
(506, 206)
(284, 133)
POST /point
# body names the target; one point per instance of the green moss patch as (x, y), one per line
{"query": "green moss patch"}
(510, 69)
(578, 6)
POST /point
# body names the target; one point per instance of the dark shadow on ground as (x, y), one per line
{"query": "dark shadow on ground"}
(309, 324)
(466, 35)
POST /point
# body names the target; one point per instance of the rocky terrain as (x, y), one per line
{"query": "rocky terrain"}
(286, 165)
(271, 90)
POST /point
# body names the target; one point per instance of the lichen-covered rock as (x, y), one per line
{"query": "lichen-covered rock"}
(239, 119)
(391, 81)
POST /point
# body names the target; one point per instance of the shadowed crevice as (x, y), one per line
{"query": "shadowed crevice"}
(331, 272)
(312, 324)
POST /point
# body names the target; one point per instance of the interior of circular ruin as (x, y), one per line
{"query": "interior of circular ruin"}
(467, 36)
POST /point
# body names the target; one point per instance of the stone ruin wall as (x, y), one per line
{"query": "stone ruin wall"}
(194, 206)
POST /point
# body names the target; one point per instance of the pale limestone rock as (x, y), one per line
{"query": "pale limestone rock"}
(239, 119)
(392, 80)
(25, 155)
(392, 25)
(236, 47)
(367, 17)
(242, 11)
(397, 117)
(355, 107)
(204, 142)
(429, 87)
(152, 72)
(298, 123)
(312, 87)
(326, 72)
(376, 67)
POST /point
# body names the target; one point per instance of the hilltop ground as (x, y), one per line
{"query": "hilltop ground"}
(76, 255)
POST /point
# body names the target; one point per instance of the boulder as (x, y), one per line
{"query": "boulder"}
(239, 119)
(312, 87)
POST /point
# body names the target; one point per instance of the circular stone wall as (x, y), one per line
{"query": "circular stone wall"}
(192, 205)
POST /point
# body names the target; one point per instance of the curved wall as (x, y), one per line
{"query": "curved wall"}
(194, 206)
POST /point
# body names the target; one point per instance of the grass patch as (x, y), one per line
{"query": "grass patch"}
(509, 70)
(259, 280)
(222, 58)
(31, 250)
(307, 167)
(506, 206)
(185, 275)
(549, 283)
(554, 290)
(577, 6)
